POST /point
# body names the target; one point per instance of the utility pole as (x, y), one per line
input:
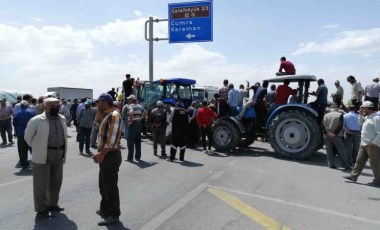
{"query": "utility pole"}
(150, 39)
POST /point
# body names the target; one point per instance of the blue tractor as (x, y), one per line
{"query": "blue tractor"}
(168, 91)
(293, 130)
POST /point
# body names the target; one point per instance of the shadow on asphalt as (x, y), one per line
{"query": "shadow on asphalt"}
(368, 185)
(117, 226)
(144, 164)
(190, 164)
(59, 222)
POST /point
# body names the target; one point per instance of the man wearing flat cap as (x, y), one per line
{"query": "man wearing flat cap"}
(47, 135)
(371, 93)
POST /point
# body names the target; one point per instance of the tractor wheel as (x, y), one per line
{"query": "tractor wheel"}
(246, 141)
(225, 136)
(294, 134)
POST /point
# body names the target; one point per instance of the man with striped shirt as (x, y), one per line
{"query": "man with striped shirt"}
(109, 159)
(136, 114)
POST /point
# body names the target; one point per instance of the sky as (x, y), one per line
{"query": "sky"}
(93, 44)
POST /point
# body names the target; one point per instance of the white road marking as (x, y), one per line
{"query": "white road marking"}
(15, 182)
(173, 209)
(315, 209)
(216, 175)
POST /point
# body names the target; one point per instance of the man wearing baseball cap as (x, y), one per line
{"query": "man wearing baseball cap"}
(109, 160)
(369, 145)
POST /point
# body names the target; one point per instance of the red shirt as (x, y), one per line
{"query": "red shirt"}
(288, 67)
(205, 116)
(283, 92)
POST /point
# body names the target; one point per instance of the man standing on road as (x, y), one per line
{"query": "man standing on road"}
(204, 118)
(371, 93)
(192, 136)
(352, 134)
(6, 112)
(86, 120)
(158, 118)
(180, 123)
(369, 145)
(20, 122)
(287, 66)
(47, 135)
(109, 160)
(136, 114)
(332, 125)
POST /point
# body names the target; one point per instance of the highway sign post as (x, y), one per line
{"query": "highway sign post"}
(190, 22)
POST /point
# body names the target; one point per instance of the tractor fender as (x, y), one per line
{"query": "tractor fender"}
(283, 108)
(236, 122)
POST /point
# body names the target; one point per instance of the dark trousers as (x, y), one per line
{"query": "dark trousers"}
(206, 131)
(261, 112)
(159, 136)
(338, 143)
(47, 180)
(6, 128)
(23, 148)
(178, 140)
(352, 143)
(134, 140)
(193, 133)
(108, 178)
(84, 137)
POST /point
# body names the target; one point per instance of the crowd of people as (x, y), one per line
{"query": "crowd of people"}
(40, 125)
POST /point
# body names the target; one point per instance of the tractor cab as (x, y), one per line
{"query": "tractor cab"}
(167, 91)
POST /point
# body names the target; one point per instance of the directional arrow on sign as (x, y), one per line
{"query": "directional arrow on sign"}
(190, 36)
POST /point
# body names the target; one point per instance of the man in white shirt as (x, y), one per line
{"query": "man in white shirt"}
(356, 91)
(369, 145)
(338, 95)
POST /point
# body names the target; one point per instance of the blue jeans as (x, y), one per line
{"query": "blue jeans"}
(134, 140)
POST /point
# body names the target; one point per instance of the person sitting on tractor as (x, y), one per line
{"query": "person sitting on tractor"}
(282, 94)
(287, 66)
(320, 102)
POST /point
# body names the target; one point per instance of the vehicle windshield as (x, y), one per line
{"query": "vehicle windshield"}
(151, 93)
(198, 94)
(178, 91)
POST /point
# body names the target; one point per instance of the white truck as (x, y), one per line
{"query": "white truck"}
(204, 93)
(66, 92)
(11, 95)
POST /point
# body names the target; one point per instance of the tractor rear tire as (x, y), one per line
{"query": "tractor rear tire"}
(225, 136)
(294, 134)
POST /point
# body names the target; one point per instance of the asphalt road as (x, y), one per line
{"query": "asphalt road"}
(252, 189)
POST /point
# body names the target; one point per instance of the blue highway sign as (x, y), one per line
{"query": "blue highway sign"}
(190, 22)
